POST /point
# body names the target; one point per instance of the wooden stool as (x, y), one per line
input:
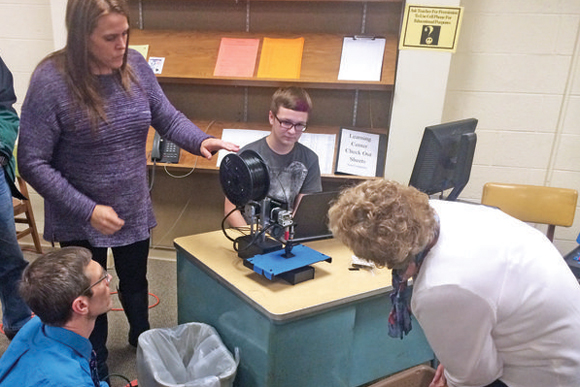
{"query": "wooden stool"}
(25, 207)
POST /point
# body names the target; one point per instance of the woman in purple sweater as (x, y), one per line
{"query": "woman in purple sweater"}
(84, 126)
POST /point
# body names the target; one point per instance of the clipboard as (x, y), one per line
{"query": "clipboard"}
(362, 58)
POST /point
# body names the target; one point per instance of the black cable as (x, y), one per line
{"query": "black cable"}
(254, 239)
(119, 376)
(224, 223)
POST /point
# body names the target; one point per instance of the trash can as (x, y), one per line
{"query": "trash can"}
(188, 355)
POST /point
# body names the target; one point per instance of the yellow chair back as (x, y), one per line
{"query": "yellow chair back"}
(535, 204)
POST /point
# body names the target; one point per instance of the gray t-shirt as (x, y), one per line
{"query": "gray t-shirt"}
(290, 174)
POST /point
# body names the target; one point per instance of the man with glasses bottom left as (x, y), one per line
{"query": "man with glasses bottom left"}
(66, 290)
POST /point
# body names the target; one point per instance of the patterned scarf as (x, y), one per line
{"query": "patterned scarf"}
(400, 316)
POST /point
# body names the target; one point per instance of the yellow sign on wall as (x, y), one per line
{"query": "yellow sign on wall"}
(431, 28)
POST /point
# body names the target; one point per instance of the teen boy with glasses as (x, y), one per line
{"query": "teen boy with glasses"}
(66, 290)
(293, 168)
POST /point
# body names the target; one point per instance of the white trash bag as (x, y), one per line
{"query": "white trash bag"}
(188, 355)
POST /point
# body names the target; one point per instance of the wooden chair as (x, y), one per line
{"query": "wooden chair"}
(534, 204)
(25, 207)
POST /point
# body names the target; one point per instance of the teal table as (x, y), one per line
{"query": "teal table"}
(329, 331)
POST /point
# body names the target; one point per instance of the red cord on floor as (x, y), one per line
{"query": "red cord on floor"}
(113, 309)
(150, 306)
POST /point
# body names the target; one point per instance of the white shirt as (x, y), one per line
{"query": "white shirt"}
(497, 300)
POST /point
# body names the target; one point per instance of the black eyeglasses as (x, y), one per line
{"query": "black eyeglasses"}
(106, 277)
(289, 125)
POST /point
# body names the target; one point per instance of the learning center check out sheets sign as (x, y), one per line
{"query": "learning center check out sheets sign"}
(360, 153)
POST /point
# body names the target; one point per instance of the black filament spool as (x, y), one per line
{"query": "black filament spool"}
(244, 177)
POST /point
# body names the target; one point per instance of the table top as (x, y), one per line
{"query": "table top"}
(334, 284)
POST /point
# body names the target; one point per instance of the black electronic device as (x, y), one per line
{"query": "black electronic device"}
(268, 248)
(164, 151)
(311, 216)
(245, 181)
(445, 157)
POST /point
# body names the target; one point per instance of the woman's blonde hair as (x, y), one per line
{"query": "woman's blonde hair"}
(383, 221)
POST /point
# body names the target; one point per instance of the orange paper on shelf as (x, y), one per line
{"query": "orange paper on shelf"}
(236, 58)
(281, 58)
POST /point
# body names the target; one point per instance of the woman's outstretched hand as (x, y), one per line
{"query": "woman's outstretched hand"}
(212, 145)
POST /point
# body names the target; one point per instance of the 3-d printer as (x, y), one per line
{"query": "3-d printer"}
(268, 249)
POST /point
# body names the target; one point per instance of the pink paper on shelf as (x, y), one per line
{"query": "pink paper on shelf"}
(237, 57)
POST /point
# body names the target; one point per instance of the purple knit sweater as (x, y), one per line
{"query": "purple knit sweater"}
(75, 168)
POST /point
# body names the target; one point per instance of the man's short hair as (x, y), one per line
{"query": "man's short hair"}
(53, 281)
(383, 221)
(293, 98)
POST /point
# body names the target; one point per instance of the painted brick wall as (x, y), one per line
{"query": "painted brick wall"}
(517, 69)
(26, 38)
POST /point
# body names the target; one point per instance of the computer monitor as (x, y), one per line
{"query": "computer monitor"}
(445, 157)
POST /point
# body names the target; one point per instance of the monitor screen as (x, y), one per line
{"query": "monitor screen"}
(445, 157)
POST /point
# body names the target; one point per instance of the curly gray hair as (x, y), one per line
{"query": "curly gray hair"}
(383, 221)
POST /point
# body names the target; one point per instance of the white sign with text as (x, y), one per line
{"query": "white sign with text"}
(358, 153)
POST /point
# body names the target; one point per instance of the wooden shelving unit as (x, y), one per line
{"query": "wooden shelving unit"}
(187, 33)
(190, 57)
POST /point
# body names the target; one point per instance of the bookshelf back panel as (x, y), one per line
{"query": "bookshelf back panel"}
(290, 17)
(330, 107)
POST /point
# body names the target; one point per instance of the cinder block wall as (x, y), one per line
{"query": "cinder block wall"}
(25, 38)
(517, 69)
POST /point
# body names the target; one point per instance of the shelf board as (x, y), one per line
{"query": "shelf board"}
(190, 57)
(215, 128)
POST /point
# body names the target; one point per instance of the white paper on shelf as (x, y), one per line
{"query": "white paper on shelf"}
(361, 59)
(241, 137)
(323, 146)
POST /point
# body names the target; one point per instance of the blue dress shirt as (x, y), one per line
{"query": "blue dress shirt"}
(42, 355)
